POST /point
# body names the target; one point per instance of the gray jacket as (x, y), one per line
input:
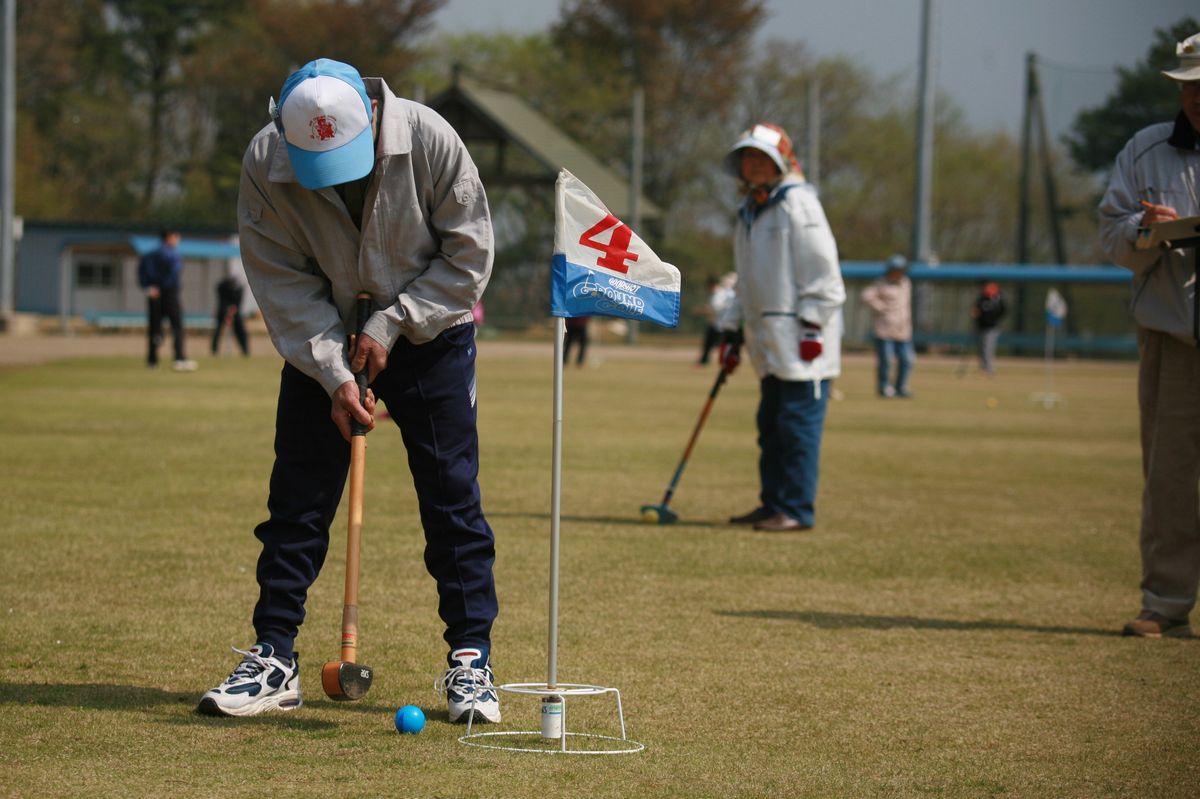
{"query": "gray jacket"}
(424, 252)
(1154, 167)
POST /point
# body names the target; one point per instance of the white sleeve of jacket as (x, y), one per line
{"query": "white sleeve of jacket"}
(819, 288)
(292, 293)
(1120, 214)
(728, 314)
(457, 275)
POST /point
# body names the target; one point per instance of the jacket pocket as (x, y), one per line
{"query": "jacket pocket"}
(464, 191)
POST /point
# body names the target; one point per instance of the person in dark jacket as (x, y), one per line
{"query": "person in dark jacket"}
(987, 312)
(160, 274)
(229, 313)
(577, 336)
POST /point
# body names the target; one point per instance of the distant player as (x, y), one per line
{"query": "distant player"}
(789, 297)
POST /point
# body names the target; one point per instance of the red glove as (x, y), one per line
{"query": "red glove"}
(811, 341)
(729, 357)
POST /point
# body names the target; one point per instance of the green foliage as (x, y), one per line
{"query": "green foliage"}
(144, 108)
(131, 109)
(687, 56)
(1143, 97)
(79, 134)
(154, 37)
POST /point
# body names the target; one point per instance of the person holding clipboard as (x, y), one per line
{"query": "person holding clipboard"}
(1153, 184)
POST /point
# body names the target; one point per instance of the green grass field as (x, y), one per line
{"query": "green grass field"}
(948, 630)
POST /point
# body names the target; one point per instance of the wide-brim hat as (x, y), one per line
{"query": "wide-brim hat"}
(765, 137)
(1189, 60)
(324, 115)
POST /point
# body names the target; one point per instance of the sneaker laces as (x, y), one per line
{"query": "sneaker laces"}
(463, 680)
(252, 665)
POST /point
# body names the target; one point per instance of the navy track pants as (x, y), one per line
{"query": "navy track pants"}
(429, 391)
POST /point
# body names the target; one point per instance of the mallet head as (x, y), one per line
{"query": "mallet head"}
(658, 514)
(343, 680)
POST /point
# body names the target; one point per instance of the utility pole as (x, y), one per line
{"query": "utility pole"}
(1052, 216)
(1023, 209)
(921, 247)
(8, 137)
(812, 157)
(1034, 119)
(1035, 114)
(1031, 91)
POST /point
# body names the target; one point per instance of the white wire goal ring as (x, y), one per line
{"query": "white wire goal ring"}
(554, 746)
(630, 746)
(561, 689)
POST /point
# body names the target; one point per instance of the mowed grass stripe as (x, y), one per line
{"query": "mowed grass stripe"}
(949, 629)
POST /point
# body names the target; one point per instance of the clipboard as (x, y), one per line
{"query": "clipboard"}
(1170, 234)
(1177, 234)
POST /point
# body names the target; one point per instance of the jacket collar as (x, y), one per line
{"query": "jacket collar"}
(1184, 136)
(750, 210)
(395, 128)
(394, 137)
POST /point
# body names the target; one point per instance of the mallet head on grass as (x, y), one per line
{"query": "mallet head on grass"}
(343, 680)
(658, 514)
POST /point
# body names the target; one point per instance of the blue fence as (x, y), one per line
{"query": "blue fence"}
(1099, 322)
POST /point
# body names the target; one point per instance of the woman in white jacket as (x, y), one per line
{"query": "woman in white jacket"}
(789, 298)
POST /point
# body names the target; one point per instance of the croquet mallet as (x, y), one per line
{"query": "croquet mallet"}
(344, 678)
(660, 513)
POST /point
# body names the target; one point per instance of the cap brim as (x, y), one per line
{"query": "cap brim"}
(732, 160)
(351, 161)
(1187, 74)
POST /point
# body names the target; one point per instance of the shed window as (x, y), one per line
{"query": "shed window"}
(95, 274)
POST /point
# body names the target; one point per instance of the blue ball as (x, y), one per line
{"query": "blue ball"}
(410, 719)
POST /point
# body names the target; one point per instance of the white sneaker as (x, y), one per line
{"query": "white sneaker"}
(261, 682)
(467, 685)
(185, 366)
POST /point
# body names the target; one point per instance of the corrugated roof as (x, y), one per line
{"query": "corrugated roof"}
(545, 143)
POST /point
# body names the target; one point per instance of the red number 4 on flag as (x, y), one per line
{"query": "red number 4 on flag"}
(616, 250)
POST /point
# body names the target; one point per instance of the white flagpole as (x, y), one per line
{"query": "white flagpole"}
(1049, 359)
(1048, 398)
(560, 331)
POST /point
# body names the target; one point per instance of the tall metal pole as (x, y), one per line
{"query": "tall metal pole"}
(1052, 215)
(921, 248)
(1022, 254)
(8, 137)
(812, 166)
(1023, 203)
(637, 156)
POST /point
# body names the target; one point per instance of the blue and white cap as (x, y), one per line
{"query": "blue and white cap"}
(324, 115)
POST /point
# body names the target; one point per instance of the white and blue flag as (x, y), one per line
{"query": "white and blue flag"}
(601, 267)
(1056, 308)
